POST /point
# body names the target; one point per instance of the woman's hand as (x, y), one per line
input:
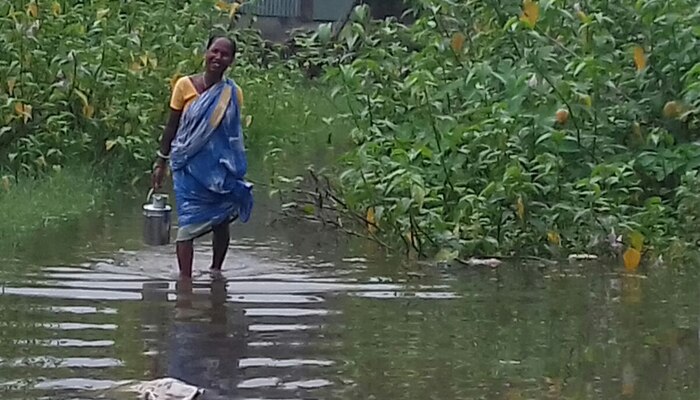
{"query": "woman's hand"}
(158, 174)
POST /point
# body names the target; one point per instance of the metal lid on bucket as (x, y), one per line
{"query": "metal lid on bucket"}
(158, 202)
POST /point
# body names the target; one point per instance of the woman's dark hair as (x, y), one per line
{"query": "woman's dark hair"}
(215, 37)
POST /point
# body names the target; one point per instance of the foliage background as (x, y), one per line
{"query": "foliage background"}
(90, 81)
(501, 128)
(481, 128)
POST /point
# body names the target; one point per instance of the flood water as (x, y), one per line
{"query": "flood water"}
(301, 313)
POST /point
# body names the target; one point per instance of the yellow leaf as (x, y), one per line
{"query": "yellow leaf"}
(27, 113)
(82, 96)
(23, 110)
(637, 130)
(371, 220)
(636, 240)
(221, 5)
(56, 8)
(88, 111)
(531, 13)
(33, 9)
(6, 182)
(586, 99)
(640, 60)
(101, 13)
(554, 238)
(458, 42)
(153, 61)
(234, 9)
(144, 60)
(11, 86)
(109, 144)
(248, 120)
(632, 257)
(521, 209)
(672, 109)
(582, 16)
(135, 67)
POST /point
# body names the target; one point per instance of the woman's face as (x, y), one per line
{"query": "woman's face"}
(219, 55)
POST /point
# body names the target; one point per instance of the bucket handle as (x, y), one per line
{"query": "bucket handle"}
(150, 194)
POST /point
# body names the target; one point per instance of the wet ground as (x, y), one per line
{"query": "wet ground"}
(300, 313)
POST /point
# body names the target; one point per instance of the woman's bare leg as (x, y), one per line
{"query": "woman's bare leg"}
(221, 239)
(185, 256)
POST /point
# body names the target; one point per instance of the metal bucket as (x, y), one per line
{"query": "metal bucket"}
(156, 220)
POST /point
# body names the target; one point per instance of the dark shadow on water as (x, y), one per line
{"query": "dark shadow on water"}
(206, 337)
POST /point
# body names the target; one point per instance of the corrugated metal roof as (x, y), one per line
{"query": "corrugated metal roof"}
(274, 8)
(323, 10)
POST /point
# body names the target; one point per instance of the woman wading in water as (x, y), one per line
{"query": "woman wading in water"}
(203, 140)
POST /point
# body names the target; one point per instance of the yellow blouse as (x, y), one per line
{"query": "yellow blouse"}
(184, 92)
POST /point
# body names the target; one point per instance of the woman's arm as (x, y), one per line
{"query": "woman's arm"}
(170, 131)
(165, 143)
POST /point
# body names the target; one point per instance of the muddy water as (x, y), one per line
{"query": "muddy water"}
(303, 314)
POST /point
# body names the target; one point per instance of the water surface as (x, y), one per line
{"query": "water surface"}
(301, 313)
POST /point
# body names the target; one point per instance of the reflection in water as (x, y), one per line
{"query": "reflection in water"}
(313, 332)
(316, 321)
(206, 338)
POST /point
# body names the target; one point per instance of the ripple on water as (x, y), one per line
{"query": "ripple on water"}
(406, 294)
(74, 294)
(75, 326)
(275, 299)
(55, 362)
(64, 343)
(270, 362)
(82, 310)
(286, 312)
(263, 333)
(255, 383)
(306, 384)
(78, 384)
(281, 327)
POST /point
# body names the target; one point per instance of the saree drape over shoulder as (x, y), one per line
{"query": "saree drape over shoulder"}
(208, 163)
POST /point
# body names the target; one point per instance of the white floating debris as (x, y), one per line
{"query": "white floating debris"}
(583, 257)
(354, 260)
(165, 389)
(482, 262)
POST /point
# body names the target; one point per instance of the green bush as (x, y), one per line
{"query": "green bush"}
(90, 81)
(499, 129)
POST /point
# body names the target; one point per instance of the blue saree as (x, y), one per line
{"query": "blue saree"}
(208, 163)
